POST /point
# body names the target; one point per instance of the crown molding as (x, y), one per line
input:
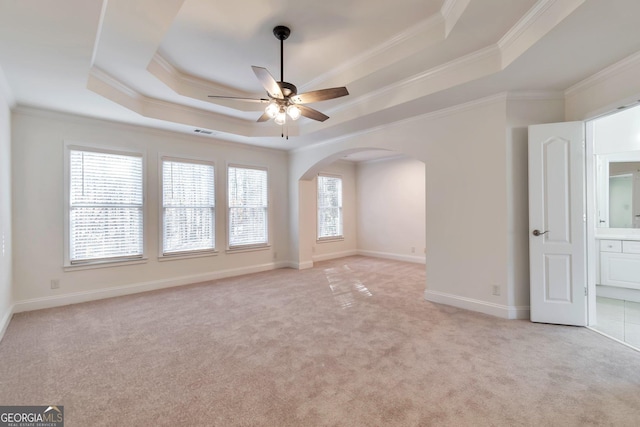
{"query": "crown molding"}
(39, 112)
(535, 95)
(96, 42)
(432, 115)
(535, 24)
(437, 27)
(449, 68)
(451, 12)
(489, 60)
(529, 19)
(112, 82)
(158, 60)
(537, 16)
(194, 87)
(394, 42)
(111, 88)
(605, 74)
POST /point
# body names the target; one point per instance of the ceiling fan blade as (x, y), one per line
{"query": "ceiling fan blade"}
(263, 118)
(320, 95)
(268, 82)
(261, 100)
(310, 113)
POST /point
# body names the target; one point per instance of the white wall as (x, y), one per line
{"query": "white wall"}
(476, 224)
(466, 208)
(617, 133)
(5, 214)
(37, 158)
(466, 215)
(616, 85)
(473, 225)
(391, 208)
(347, 246)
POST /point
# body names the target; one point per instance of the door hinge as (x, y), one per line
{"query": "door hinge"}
(585, 292)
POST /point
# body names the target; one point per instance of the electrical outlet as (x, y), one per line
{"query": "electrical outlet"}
(55, 284)
(275, 255)
(496, 290)
(413, 250)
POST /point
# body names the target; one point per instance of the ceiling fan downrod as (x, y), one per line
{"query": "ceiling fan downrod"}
(282, 33)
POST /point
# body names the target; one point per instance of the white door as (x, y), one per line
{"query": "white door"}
(557, 250)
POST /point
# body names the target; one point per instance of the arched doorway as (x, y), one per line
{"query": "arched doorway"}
(383, 207)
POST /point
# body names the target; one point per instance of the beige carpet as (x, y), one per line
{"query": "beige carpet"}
(350, 342)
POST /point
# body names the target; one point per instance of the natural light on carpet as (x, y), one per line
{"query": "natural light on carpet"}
(342, 286)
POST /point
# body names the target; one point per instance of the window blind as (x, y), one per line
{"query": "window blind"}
(188, 203)
(248, 205)
(329, 206)
(106, 206)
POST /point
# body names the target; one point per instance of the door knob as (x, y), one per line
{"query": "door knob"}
(539, 233)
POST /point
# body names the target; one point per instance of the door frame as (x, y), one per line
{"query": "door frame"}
(591, 221)
(593, 251)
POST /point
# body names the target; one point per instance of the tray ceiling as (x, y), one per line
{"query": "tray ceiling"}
(154, 63)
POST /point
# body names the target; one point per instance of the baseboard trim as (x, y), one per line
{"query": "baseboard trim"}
(6, 319)
(93, 295)
(300, 265)
(498, 310)
(334, 255)
(396, 257)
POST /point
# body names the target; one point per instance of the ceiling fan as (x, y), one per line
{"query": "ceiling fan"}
(284, 99)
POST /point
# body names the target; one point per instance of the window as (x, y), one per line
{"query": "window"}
(105, 206)
(188, 207)
(329, 207)
(247, 207)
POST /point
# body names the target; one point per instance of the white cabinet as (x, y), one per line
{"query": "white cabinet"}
(610, 245)
(620, 263)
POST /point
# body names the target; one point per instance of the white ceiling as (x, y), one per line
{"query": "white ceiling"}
(154, 63)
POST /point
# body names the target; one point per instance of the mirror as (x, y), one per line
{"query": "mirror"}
(618, 198)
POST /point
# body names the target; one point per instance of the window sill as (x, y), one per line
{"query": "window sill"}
(330, 239)
(103, 264)
(186, 255)
(248, 249)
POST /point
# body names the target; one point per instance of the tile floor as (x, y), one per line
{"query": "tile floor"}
(619, 319)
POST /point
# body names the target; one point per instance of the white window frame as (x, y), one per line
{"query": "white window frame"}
(247, 247)
(162, 256)
(341, 235)
(68, 265)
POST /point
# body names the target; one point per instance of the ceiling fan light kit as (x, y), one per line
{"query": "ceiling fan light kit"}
(284, 100)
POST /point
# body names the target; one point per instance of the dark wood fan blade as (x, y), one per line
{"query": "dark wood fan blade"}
(312, 114)
(262, 100)
(263, 118)
(320, 95)
(268, 82)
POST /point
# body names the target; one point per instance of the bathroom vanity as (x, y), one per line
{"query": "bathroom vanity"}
(618, 231)
(620, 263)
